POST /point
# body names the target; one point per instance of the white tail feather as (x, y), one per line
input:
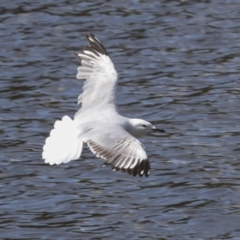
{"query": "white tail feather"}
(63, 144)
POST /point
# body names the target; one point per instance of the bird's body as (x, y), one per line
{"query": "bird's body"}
(98, 122)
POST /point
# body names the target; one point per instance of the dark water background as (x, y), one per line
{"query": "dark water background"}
(179, 65)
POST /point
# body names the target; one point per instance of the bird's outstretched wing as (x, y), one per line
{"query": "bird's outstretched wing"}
(118, 148)
(100, 75)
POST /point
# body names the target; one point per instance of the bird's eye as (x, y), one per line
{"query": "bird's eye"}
(144, 125)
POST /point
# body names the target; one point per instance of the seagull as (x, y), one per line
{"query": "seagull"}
(98, 123)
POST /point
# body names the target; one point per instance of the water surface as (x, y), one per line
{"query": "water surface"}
(179, 64)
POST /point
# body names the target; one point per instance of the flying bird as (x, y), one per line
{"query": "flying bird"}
(98, 123)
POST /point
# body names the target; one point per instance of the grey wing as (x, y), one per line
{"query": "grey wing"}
(118, 148)
(100, 74)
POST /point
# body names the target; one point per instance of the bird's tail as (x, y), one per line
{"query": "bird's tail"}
(63, 144)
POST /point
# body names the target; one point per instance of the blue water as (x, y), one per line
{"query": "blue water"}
(179, 66)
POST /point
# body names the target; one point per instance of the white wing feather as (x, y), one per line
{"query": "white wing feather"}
(100, 74)
(118, 148)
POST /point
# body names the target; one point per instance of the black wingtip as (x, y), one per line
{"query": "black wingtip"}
(95, 44)
(142, 168)
(87, 36)
(76, 54)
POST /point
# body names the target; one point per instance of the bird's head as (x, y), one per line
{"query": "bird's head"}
(141, 128)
